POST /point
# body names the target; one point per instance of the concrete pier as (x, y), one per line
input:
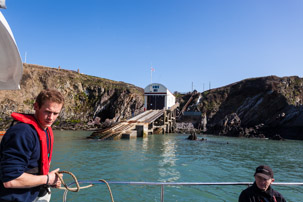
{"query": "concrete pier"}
(142, 125)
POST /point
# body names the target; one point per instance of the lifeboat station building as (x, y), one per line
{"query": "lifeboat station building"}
(157, 96)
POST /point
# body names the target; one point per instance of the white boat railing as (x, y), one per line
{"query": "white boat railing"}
(163, 184)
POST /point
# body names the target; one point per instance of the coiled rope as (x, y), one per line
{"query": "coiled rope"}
(76, 182)
(77, 189)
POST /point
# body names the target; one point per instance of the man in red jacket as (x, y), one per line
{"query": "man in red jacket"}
(26, 151)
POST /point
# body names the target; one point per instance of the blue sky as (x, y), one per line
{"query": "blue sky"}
(189, 43)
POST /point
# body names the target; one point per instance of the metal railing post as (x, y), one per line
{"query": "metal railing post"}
(162, 193)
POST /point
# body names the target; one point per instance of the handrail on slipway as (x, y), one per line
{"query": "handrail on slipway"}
(162, 184)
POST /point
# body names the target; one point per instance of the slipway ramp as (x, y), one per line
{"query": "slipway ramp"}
(125, 127)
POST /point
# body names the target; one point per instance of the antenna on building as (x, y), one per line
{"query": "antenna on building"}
(151, 74)
(192, 86)
(25, 57)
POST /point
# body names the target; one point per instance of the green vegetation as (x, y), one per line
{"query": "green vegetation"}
(209, 106)
(57, 123)
(178, 95)
(292, 89)
(29, 102)
(73, 121)
(205, 93)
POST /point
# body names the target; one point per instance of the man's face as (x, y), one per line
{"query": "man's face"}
(47, 113)
(263, 183)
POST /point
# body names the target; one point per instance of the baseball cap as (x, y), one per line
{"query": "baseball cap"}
(265, 172)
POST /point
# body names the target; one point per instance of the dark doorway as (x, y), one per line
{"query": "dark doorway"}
(155, 102)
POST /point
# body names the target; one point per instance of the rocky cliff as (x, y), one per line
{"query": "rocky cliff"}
(89, 100)
(268, 107)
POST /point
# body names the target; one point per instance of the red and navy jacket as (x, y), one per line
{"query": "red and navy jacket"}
(25, 147)
(46, 142)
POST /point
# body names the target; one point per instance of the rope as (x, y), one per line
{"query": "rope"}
(77, 189)
(110, 191)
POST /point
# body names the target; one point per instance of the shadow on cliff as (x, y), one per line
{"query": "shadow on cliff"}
(256, 108)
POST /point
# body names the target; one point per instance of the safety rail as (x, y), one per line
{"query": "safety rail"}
(162, 184)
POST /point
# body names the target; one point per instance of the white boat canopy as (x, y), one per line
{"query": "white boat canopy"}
(11, 67)
(2, 4)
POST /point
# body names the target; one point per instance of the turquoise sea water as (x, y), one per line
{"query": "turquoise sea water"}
(171, 158)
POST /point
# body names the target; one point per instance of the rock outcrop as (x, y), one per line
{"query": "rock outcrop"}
(89, 101)
(267, 107)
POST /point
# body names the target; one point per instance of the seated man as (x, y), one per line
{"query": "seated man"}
(261, 190)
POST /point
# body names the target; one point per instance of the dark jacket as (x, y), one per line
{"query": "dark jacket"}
(254, 194)
(19, 152)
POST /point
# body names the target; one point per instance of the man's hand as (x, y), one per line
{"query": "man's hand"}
(54, 180)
